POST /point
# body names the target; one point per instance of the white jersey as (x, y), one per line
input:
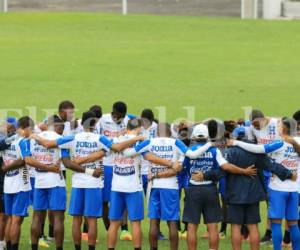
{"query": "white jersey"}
(44, 179)
(169, 149)
(148, 133)
(17, 180)
(126, 170)
(111, 130)
(81, 145)
(267, 134)
(289, 158)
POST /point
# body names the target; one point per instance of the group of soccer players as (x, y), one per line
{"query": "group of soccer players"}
(119, 162)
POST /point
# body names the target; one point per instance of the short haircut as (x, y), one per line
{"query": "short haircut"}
(164, 128)
(54, 119)
(256, 114)
(25, 122)
(291, 124)
(88, 119)
(148, 114)
(212, 126)
(120, 107)
(296, 116)
(65, 105)
(134, 123)
(97, 110)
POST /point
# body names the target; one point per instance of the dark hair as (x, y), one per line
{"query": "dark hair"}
(291, 124)
(120, 107)
(97, 110)
(65, 105)
(88, 119)
(148, 114)
(134, 123)
(25, 122)
(166, 127)
(256, 114)
(54, 119)
(296, 116)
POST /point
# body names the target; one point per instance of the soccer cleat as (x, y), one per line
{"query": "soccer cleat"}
(160, 236)
(222, 235)
(266, 239)
(183, 235)
(125, 235)
(43, 243)
(84, 236)
(49, 239)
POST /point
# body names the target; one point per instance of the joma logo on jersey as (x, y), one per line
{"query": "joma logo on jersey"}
(161, 148)
(86, 144)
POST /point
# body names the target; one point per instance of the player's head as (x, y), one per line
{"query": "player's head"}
(216, 129)
(147, 117)
(200, 133)
(296, 116)
(134, 126)
(97, 110)
(26, 124)
(66, 110)
(55, 123)
(119, 111)
(289, 126)
(257, 119)
(88, 120)
(164, 129)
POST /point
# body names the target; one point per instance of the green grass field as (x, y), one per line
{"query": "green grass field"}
(216, 65)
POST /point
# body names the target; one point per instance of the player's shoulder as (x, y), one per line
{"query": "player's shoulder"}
(106, 118)
(297, 139)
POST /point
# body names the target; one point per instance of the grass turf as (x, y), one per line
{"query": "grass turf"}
(217, 66)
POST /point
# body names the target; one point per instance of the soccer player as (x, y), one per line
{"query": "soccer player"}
(49, 191)
(113, 125)
(66, 111)
(85, 182)
(284, 198)
(202, 196)
(127, 189)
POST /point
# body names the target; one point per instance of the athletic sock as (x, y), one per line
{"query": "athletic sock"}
(15, 246)
(77, 247)
(137, 248)
(153, 248)
(295, 236)
(85, 228)
(8, 245)
(91, 247)
(185, 226)
(34, 246)
(59, 248)
(276, 236)
(110, 248)
(51, 231)
(124, 227)
(223, 227)
(286, 237)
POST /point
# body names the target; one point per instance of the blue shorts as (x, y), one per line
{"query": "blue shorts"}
(32, 182)
(182, 180)
(145, 183)
(283, 205)
(17, 204)
(50, 199)
(164, 204)
(222, 187)
(133, 202)
(267, 178)
(108, 174)
(86, 202)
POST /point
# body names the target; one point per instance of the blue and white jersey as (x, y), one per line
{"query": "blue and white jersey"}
(81, 145)
(166, 148)
(289, 158)
(17, 180)
(111, 130)
(126, 170)
(210, 160)
(148, 133)
(44, 179)
(267, 134)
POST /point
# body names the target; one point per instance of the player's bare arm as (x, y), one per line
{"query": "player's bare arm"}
(90, 158)
(250, 171)
(13, 165)
(118, 147)
(54, 168)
